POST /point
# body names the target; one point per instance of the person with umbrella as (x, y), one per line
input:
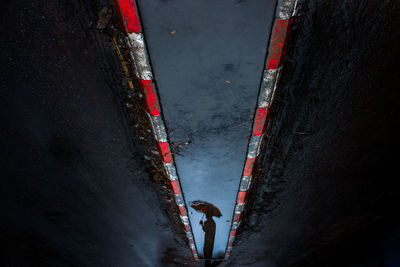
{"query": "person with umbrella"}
(208, 226)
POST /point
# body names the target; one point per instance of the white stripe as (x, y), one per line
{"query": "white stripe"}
(268, 87)
(140, 57)
(284, 9)
(245, 183)
(296, 8)
(179, 200)
(254, 146)
(185, 219)
(157, 123)
(239, 208)
(171, 171)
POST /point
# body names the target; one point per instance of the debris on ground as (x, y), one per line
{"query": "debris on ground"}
(104, 18)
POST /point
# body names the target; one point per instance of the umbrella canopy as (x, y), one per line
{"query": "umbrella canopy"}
(205, 207)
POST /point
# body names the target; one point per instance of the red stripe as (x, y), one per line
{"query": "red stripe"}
(187, 228)
(227, 253)
(249, 166)
(260, 121)
(119, 14)
(152, 104)
(176, 188)
(277, 43)
(182, 210)
(236, 217)
(242, 195)
(130, 16)
(163, 148)
(232, 233)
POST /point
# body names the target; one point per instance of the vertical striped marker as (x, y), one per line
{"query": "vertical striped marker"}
(130, 20)
(284, 16)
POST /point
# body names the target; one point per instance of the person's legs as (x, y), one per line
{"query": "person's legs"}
(215, 263)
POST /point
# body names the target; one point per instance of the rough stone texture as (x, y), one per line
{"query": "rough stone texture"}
(75, 190)
(328, 189)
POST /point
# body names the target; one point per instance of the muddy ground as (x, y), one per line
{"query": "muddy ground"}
(77, 187)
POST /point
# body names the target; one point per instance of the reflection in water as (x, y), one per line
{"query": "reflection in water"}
(215, 115)
(209, 235)
(208, 226)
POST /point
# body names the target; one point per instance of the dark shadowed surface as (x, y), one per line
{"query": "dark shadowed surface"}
(329, 191)
(74, 191)
(208, 57)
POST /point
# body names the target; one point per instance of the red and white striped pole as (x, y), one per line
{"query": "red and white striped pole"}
(284, 16)
(129, 16)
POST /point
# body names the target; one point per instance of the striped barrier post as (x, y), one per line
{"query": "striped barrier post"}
(130, 21)
(284, 16)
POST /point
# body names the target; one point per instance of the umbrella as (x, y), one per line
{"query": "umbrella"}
(206, 208)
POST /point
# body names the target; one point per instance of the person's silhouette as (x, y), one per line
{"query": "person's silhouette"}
(209, 236)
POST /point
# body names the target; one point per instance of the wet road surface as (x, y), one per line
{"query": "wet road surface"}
(74, 190)
(208, 58)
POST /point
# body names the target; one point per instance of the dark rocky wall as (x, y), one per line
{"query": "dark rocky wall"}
(74, 187)
(328, 193)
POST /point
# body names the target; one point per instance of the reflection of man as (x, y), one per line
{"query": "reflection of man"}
(209, 235)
